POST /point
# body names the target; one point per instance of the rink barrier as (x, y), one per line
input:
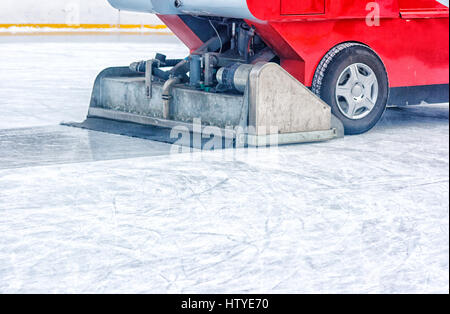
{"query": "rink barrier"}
(81, 29)
(83, 26)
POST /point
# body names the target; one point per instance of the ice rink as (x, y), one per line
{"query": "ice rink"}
(84, 212)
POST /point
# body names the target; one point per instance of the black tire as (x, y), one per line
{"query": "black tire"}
(329, 71)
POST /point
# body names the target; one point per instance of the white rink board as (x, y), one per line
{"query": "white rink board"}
(69, 12)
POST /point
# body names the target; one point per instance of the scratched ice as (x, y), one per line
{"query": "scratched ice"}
(87, 212)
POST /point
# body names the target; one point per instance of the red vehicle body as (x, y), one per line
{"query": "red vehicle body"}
(411, 37)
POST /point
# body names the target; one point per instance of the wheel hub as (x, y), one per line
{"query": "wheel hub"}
(357, 91)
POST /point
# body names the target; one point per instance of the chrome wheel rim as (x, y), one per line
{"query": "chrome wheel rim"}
(357, 91)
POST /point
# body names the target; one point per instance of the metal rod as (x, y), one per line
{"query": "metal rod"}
(166, 95)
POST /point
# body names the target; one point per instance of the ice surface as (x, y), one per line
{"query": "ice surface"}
(27, 147)
(444, 2)
(82, 211)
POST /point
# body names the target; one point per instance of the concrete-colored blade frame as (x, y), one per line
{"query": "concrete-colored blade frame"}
(275, 108)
